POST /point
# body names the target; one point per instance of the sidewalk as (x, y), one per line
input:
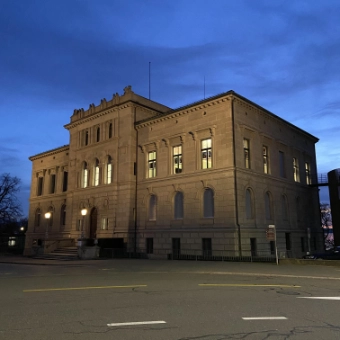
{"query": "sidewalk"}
(20, 259)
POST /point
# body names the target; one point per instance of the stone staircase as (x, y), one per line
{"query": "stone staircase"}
(60, 254)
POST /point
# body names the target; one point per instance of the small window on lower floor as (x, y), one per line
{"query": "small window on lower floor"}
(149, 245)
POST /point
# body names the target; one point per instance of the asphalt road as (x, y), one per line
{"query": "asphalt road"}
(155, 300)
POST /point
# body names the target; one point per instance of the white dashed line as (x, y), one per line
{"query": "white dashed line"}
(320, 297)
(135, 323)
(265, 318)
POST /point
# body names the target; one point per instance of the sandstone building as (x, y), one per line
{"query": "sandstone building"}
(207, 177)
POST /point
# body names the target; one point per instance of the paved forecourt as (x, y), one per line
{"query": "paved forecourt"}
(140, 299)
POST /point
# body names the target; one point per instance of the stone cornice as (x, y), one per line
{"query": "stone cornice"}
(182, 111)
(50, 152)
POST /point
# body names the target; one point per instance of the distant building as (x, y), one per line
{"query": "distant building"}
(207, 177)
(334, 196)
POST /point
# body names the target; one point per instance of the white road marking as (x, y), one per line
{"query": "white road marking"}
(266, 318)
(135, 323)
(320, 297)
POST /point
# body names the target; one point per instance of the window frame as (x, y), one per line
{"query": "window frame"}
(152, 164)
(177, 159)
(206, 154)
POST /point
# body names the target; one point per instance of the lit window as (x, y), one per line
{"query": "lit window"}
(152, 164)
(177, 159)
(206, 153)
(308, 175)
(96, 173)
(265, 159)
(85, 170)
(105, 223)
(246, 153)
(208, 203)
(296, 170)
(109, 170)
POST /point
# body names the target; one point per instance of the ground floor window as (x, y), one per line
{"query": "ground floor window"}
(206, 246)
(149, 245)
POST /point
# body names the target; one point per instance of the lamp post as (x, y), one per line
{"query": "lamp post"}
(83, 213)
(47, 216)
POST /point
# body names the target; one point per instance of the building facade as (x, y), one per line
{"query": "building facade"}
(209, 177)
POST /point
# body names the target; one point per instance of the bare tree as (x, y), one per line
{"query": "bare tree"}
(10, 207)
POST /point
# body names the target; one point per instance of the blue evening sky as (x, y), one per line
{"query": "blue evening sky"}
(59, 55)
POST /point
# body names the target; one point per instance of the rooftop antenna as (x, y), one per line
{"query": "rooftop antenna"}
(204, 87)
(149, 80)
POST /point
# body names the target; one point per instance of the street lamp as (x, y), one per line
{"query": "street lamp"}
(83, 213)
(47, 216)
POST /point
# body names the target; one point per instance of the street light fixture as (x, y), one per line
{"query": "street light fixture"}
(47, 216)
(83, 213)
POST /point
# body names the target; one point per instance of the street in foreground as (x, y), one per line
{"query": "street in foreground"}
(153, 300)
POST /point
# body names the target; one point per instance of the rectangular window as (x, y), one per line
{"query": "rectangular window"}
(105, 223)
(206, 247)
(65, 180)
(246, 153)
(40, 186)
(176, 248)
(272, 247)
(308, 175)
(96, 175)
(253, 247)
(152, 164)
(78, 226)
(177, 159)
(265, 159)
(149, 245)
(282, 164)
(296, 169)
(206, 153)
(52, 184)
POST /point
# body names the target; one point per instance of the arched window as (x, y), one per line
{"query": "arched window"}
(50, 219)
(98, 134)
(284, 207)
(110, 130)
(84, 177)
(249, 204)
(109, 170)
(96, 173)
(63, 215)
(152, 208)
(37, 217)
(208, 203)
(268, 208)
(178, 205)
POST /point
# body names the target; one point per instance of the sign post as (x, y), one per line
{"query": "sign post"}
(271, 236)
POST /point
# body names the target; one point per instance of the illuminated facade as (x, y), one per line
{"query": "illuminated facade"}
(207, 177)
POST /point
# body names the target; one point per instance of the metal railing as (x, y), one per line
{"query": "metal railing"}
(196, 255)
